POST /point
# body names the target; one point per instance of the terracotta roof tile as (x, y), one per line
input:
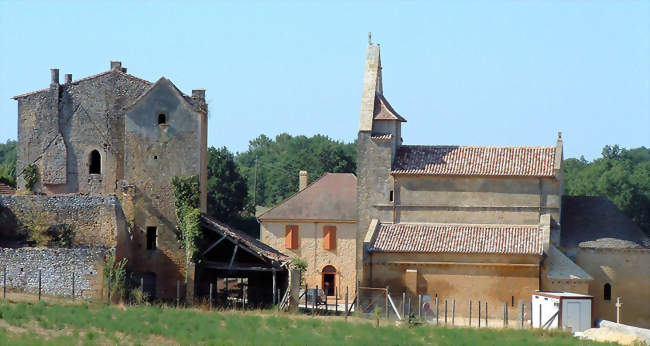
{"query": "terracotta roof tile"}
(458, 238)
(332, 197)
(6, 189)
(474, 160)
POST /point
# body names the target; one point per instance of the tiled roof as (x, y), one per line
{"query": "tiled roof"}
(474, 160)
(385, 137)
(332, 197)
(384, 111)
(6, 189)
(458, 238)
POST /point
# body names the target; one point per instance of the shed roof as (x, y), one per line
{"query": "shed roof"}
(475, 160)
(6, 189)
(384, 111)
(458, 238)
(243, 239)
(332, 197)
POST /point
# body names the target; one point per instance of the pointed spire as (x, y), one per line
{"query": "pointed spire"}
(371, 85)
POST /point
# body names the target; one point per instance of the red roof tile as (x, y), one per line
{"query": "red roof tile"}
(384, 137)
(6, 189)
(457, 238)
(471, 160)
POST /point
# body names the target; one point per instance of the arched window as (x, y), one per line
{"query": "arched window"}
(95, 162)
(607, 292)
(162, 118)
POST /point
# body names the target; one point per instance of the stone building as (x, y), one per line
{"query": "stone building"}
(318, 225)
(113, 134)
(467, 222)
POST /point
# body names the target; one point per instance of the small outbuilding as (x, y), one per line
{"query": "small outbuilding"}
(564, 310)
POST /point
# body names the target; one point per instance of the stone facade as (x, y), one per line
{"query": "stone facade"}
(121, 137)
(59, 269)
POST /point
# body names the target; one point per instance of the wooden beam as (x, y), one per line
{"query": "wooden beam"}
(213, 245)
(235, 241)
(223, 266)
(234, 252)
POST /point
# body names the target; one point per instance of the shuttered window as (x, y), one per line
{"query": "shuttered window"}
(329, 237)
(291, 238)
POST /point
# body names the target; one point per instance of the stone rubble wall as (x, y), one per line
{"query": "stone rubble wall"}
(57, 266)
(97, 220)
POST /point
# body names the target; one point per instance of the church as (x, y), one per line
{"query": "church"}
(473, 223)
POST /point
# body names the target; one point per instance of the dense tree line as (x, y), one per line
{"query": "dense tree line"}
(8, 163)
(621, 175)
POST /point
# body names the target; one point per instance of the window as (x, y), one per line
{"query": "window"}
(513, 301)
(390, 196)
(607, 292)
(151, 238)
(329, 237)
(95, 166)
(162, 118)
(291, 238)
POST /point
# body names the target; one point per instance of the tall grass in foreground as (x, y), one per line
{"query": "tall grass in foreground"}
(91, 324)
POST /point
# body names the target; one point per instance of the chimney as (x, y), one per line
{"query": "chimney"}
(116, 65)
(198, 94)
(302, 180)
(68, 78)
(124, 69)
(55, 76)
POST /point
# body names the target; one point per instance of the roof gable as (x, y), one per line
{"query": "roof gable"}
(475, 161)
(331, 197)
(163, 83)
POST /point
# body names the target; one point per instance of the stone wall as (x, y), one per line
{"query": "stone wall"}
(96, 220)
(57, 266)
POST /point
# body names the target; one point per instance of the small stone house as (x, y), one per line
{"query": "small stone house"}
(119, 136)
(317, 224)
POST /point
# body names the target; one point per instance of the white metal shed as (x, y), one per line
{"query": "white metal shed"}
(562, 310)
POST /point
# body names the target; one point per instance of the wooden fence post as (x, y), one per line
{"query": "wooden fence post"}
(210, 298)
(39, 285)
(336, 300)
(73, 285)
(453, 311)
(109, 290)
(346, 302)
(306, 301)
(522, 314)
(142, 288)
(479, 314)
(486, 315)
(404, 304)
(470, 313)
(178, 293)
(274, 288)
(437, 312)
(386, 298)
(4, 283)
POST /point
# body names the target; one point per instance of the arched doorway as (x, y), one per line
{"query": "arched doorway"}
(329, 280)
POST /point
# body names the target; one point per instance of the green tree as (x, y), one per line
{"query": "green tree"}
(227, 188)
(8, 163)
(621, 175)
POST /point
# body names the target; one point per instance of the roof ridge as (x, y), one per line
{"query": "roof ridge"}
(292, 196)
(480, 146)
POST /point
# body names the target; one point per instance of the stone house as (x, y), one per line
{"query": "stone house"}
(114, 134)
(317, 224)
(461, 222)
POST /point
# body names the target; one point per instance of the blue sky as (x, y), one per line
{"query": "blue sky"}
(470, 73)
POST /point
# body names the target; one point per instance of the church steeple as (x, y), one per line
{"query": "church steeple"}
(371, 86)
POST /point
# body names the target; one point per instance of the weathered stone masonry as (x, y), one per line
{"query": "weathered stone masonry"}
(57, 268)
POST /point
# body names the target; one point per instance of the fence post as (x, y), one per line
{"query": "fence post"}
(470, 313)
(479, 314)
(445, 312)
(306, 294)
(142, 288)
(437, 312)
(73, 285)
(419, 306)
(313, 301)
(4, 283)
(522, 314)
(336, 300)
(241, 291)
(506, 307)
(358, 289)
(278, 300)
(453, 311)
(325, 296)
(39, 285)
(409, 307)
(404, 304)
(346, 302)
(316, 298)
(531, 313)
(210, 299)
(540, 316)
(505, 317)
(109, 290)
(387, 293)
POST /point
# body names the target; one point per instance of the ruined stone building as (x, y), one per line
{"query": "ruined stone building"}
(475, 222)
(318, 224)
(106, 148)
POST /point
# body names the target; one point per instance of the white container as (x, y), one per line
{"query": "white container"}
(564, 310)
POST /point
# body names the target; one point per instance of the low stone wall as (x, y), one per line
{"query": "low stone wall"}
(57, 266)
(96, 220)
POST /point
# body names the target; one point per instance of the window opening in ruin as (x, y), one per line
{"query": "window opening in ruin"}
(95, 162)
(390, 196)
(607, 294)
(162, 118)
(151, 238)
(155, 157)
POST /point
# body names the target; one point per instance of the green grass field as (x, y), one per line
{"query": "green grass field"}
(82, 324)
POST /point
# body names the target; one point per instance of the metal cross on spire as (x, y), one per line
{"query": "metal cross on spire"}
(369, 37)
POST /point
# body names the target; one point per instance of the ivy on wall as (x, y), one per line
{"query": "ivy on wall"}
(30, 174)
(186, 193)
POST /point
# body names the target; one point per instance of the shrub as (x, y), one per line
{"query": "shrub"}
(30, 174)
(115, 273)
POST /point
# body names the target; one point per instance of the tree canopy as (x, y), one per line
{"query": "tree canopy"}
(621, 175)
(8, 163)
